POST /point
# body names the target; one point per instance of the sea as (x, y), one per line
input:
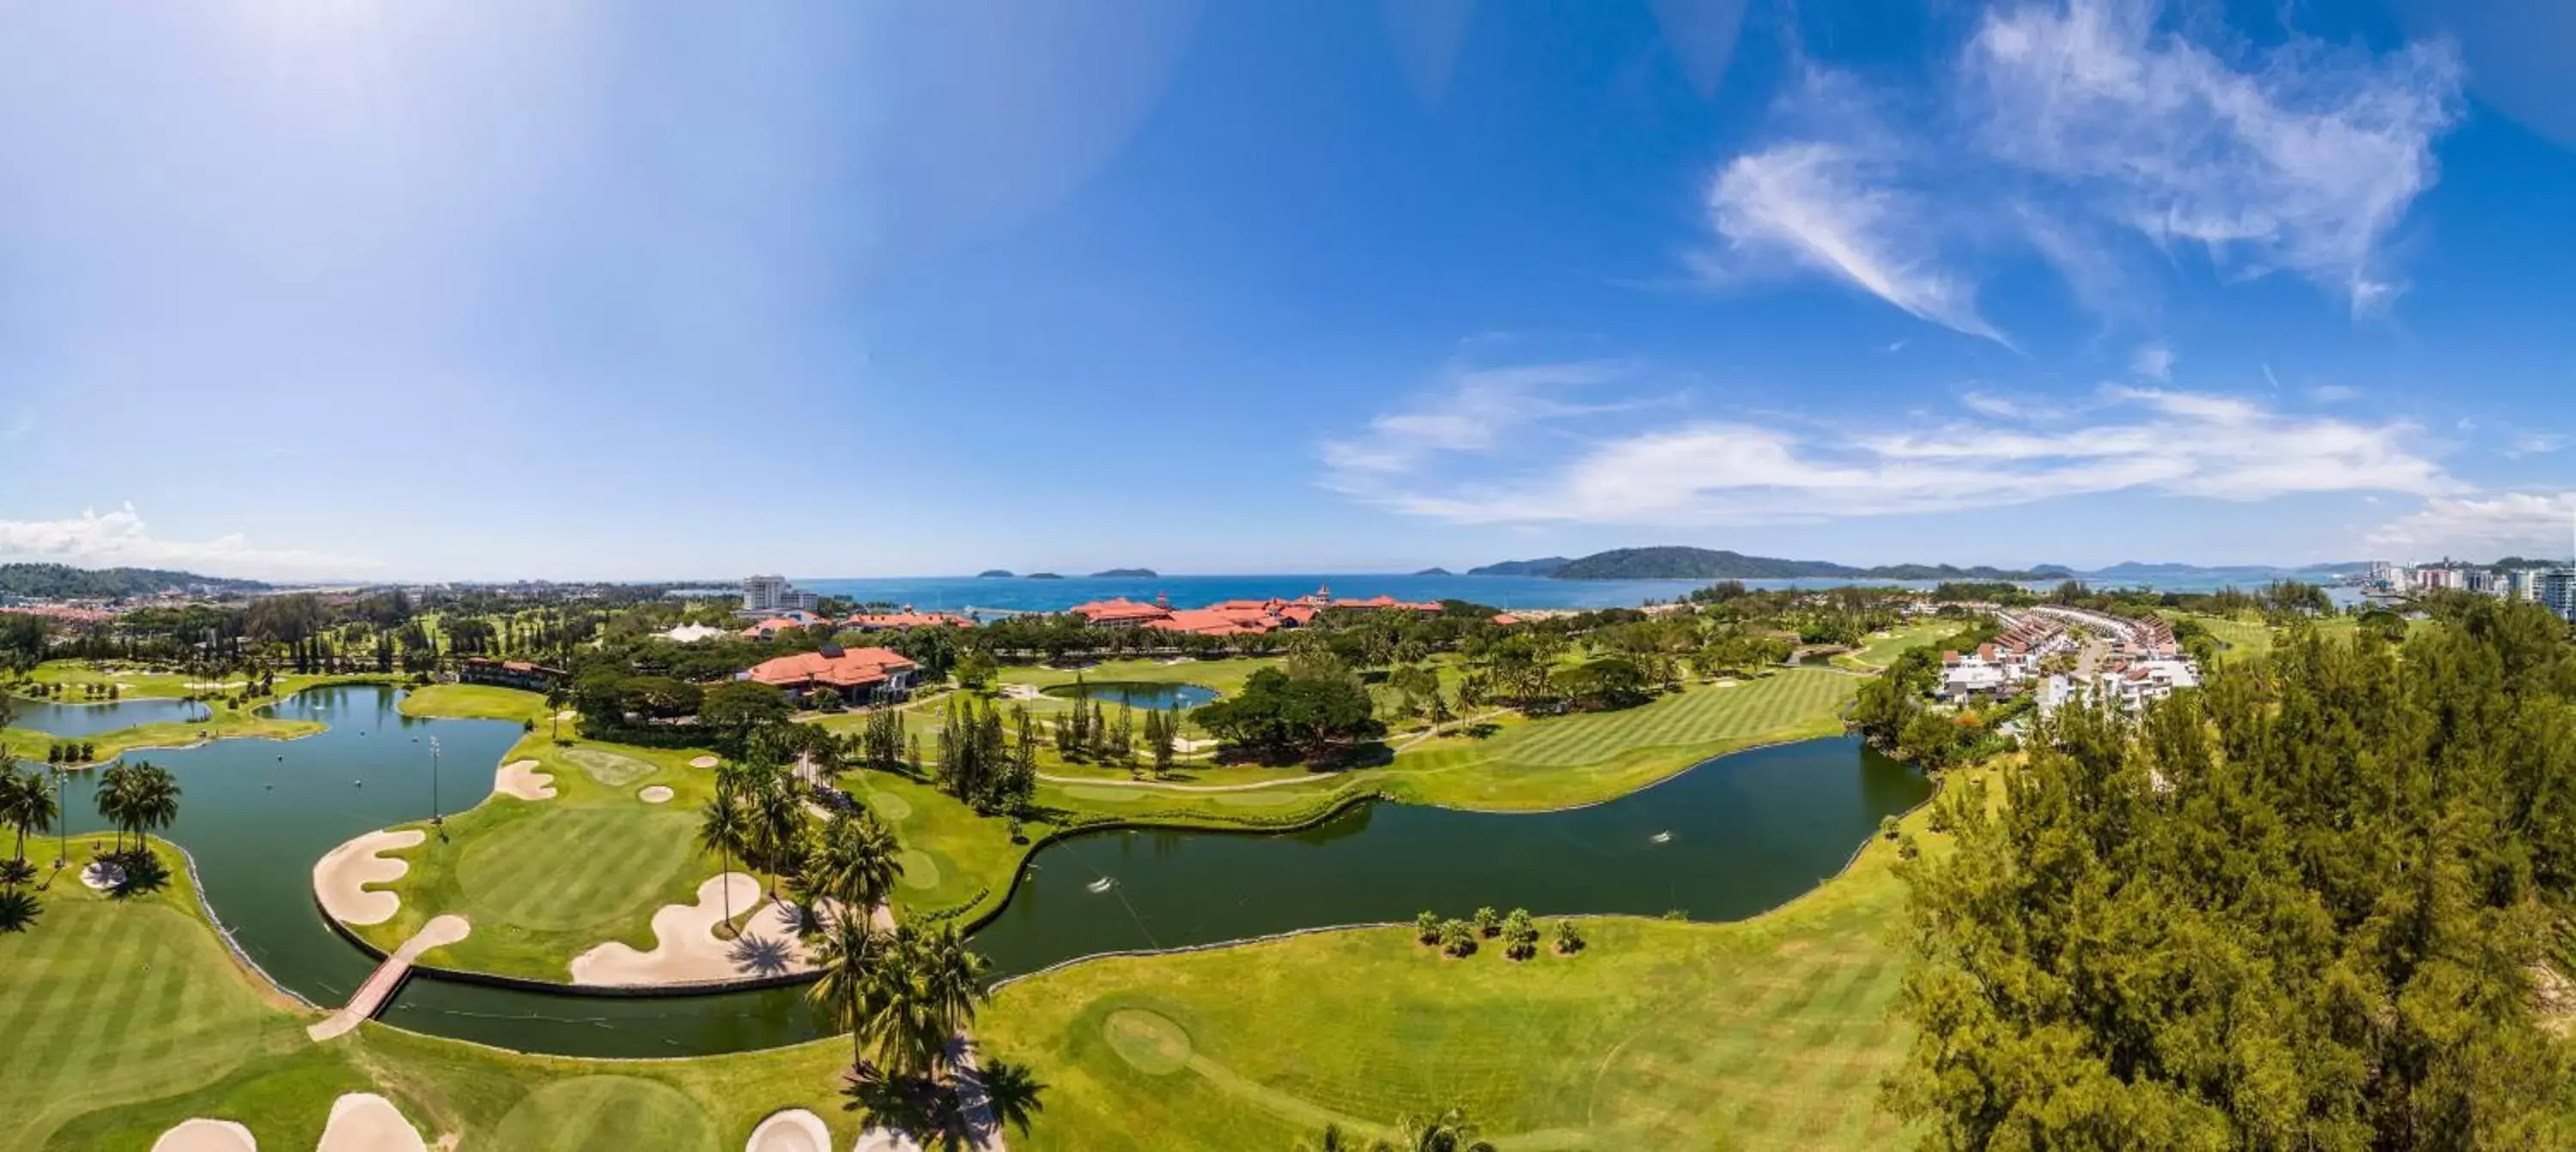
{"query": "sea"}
(987, 596)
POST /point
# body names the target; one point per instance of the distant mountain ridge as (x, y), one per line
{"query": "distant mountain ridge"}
(1678, 562)
(64, 582)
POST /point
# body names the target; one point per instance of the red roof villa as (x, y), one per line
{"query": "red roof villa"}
(857, 675)
(907, 620)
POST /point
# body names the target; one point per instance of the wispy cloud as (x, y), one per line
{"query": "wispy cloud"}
(2087, 127)
(2528, 523)
(2301, 158)
(2330, 393)
(2535, 444)
(2153, 361)
(1739, 472)
(1473, 410)
(120, 538)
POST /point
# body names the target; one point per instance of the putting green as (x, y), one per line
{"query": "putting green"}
(580, 868)
(1147, 1040)
(919, 869)
(610, 768)
(610, 1113)
(894, 809)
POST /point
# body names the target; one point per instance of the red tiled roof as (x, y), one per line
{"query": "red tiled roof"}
(772, 624)
(1506, 618)
(909, 619)
(1121, 610)
(853, 667)
(1211, 622)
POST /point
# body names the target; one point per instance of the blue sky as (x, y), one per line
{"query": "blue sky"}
(303, 289)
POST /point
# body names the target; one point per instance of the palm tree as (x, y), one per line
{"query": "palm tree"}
(1334, 1139)
(156, 800)
(26, 805)
(724, 827)
(1446, 1132)
(855, 863)
(850, 956)
(115, 799)
(18, 910)
(777, 821)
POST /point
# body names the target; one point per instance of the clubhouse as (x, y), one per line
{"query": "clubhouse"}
(856, 675)
(508, 674)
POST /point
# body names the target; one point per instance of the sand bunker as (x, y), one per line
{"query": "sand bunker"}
(521, 778)
(654, 794)
(202, 1135)
(340, 878)
(685, 948)
(366, 1122)
(102, 876)
(884, 1140)
(704, 762)
(793, 1130)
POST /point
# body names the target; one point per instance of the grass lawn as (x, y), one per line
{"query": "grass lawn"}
(1882, 651)
(227, 723)
(543, 881)
(1767, 1033)
(474, 702)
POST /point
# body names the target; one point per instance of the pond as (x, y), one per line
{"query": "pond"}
(1136, 694)
(1733, 837)
(75, 720)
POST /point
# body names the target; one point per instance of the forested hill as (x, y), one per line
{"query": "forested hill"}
(1674, 562)
(62, 581)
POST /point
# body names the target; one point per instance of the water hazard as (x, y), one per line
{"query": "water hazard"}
(1728, 839)
(1136, 694)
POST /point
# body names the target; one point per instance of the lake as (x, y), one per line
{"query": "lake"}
(72, 721)
(1730, 838)
(1135, 694)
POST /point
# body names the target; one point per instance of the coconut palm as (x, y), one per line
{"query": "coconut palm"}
(155, 803)
(116, 799)
(777, 823)
(925, 997)
(724, 827)
(18, 910)
(850, 956)
(1446, 1132)
(26, 805)
(855, 862)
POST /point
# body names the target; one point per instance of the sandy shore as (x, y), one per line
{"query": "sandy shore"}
(685, 948)
(521, 778)
(366, 1122)
(792, 1130)
(202, 1135)
(340, 878)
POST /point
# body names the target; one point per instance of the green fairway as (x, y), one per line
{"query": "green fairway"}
(474, 702)
(543, 881)
(1883, 650)
(1562, 761)
(1768, 1033)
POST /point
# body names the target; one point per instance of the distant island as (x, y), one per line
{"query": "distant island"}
(1434, 572)
(63, 582)
(994, 574)
(1042, 576)
(1543, 566)
(1675, 562)
(1124, 574)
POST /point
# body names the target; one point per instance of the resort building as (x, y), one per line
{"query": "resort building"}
(793, 618)
(508, 674)
(1122, 613)
(772, 595)
(2558, 592)
(906, 620)
(856, 675)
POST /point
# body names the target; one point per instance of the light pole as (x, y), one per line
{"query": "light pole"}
(435, 820)
(62, 822)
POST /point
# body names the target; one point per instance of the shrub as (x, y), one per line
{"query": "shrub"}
(1489, 923)
(1569, 939)
(1887, 827)
(1907, 849)
(1457, 939)
(1426, 927)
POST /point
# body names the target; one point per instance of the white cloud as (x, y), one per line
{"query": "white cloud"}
(1472, 410)
(2525, 523)
(1739, 472)
(2301, 158)
(120, 539)
(2153, 361)
(2332, 393)
(2535, 444)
